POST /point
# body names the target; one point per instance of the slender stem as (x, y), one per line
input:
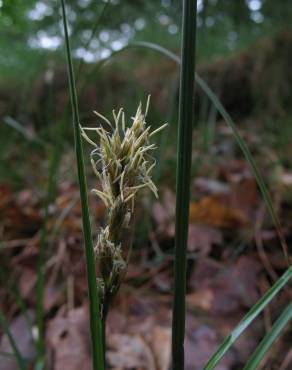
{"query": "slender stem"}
(184, 153)
(248, 319)
(40, 286)
(269, 339)
(94, 306)
(18, 356)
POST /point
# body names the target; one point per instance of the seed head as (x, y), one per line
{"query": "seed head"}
(123, 163)
(122, 160)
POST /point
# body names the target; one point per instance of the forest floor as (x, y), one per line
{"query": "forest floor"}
(234, 256)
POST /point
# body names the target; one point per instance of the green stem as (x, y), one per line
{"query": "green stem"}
(184, 154)
(269, 339)
(40, 286)
(248, 319)
(94, 305)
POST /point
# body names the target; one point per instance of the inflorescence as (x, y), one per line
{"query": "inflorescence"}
(123, 163)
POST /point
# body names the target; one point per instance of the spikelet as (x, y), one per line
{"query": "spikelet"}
(123, 163)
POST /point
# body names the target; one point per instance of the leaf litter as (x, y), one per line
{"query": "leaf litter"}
(224, 277)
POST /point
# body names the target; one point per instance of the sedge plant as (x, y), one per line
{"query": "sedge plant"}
(123, 166)
(108, 250)
(106, 286)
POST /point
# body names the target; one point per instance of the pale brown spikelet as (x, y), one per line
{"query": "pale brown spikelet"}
(123, 163)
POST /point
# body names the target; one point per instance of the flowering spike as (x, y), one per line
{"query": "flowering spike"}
(125, 166)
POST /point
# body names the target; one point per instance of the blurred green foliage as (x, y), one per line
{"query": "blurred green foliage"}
(33, 79)
(31, 29)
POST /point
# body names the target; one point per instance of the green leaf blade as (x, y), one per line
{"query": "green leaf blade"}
(183, 176)
(98, 356)
(269, 339)
(247, 320)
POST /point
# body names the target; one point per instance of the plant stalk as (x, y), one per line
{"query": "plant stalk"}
(184, 154)
(94, 306)
(269, 339)
(248, 319)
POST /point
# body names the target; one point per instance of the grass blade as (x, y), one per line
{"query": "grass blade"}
(18, 357)
(269, 339)
(23, 131)
(184, 154)
(40, 285)
(246, 152)
(95, 319)
(247, 320)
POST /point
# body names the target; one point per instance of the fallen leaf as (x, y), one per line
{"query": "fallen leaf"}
(202, 237)
(234, 169)
(200, 299)
(229, 289)
(209, 210)
(68, 340)
(128, 352)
